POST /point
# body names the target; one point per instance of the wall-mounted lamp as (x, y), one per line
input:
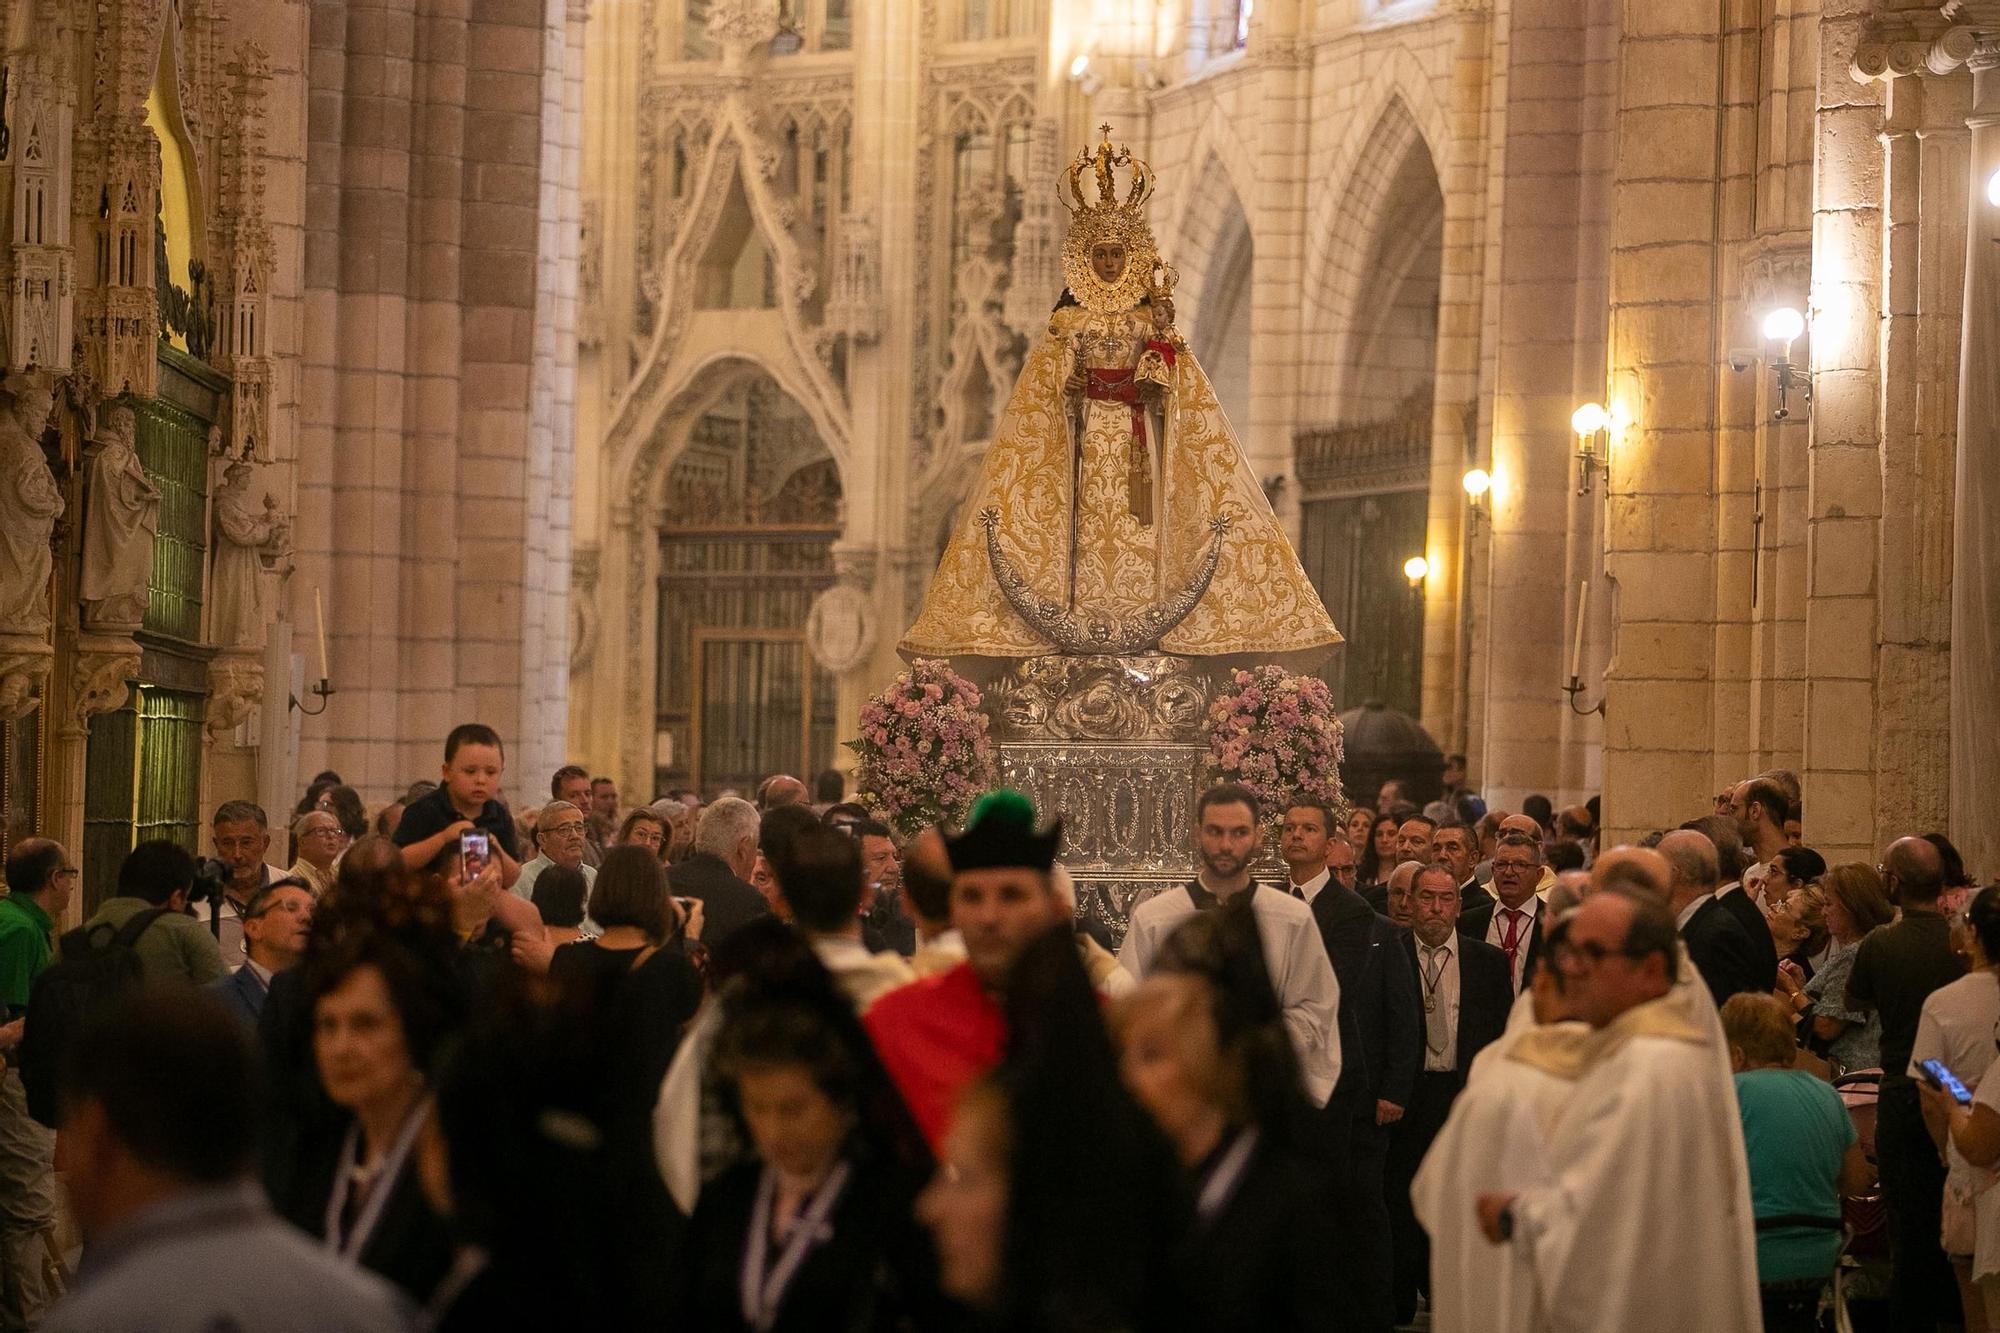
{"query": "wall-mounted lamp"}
(1592, 425)
(1785, 325)
(1477, 482)
(1416, 569)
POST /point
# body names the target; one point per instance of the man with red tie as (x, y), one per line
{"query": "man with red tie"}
(1511, 924)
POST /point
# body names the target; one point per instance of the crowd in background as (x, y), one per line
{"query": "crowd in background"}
(762, 1063)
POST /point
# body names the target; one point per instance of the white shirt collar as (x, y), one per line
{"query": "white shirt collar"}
(258, 970)
(1429, 949)
(1687, 913)
(1531, 908)
(1312, 887)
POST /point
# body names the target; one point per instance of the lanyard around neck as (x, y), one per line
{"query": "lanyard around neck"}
(348, 1245)
(1222, 1182)
(762, 1294)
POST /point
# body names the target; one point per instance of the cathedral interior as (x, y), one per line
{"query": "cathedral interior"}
(616, 373)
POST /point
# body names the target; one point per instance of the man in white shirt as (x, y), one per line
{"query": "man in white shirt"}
(1307, 851)
(1227, 838)
(559, 838)
(1511, 922)
(1465, 993)
(819, 876)
(1759, 807)
(926, 900)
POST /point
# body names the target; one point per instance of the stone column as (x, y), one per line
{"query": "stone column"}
(1975, 620)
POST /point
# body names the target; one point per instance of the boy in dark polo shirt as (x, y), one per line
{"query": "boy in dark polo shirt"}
(467, 799)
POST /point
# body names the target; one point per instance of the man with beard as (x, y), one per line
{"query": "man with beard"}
(1227, 839)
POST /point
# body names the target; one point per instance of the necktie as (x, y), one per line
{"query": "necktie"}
(1298, 893)
(1510, 933)
(1435, 1034)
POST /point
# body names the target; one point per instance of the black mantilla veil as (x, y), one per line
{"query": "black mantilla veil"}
(1225, 948)
(1095, 1202)
(772, 989)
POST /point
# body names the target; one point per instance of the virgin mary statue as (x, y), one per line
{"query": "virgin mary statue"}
(1115, 513)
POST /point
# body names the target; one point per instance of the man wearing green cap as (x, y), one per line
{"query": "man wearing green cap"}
(940, 1033)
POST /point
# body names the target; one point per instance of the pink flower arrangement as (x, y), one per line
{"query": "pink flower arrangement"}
(1277, 734)
(925, 755)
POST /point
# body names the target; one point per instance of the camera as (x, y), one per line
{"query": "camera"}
(210, 875)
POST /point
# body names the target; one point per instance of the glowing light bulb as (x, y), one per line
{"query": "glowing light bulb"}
(1588, 419)
(1416, 569)
(1477, 482)
(1993, 189)
(1079, 67)
(1784, 324)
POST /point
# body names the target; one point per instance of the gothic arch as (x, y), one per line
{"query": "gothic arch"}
(1391, 187)
(737, 153)
(696, 388)
(1224, 162)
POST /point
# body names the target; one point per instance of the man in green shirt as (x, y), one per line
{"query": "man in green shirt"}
(41, 879)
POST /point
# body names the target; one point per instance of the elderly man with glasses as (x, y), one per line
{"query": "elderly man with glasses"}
(321, 842)
(560, 836)
(276, 925)
(1510, 922)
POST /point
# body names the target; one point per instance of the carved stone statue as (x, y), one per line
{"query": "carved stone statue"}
(123, 518)
(30, 504)
(244, 528)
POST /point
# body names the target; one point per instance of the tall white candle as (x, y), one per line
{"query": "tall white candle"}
(319, 614)
(1582, 614)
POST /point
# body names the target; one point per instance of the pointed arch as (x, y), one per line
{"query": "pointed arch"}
(736, 164)
(1387, 201)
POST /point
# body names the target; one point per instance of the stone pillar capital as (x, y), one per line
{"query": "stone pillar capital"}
(104, 663)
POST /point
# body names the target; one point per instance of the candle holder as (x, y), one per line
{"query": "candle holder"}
(1574, 689)
(322, 689)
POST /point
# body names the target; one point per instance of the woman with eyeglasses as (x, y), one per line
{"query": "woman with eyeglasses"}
(643, 828)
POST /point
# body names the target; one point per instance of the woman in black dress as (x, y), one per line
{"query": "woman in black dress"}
(379, 1010)
(1205, 1051)
(815, 1232)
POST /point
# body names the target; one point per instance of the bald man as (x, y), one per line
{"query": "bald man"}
(1634, 869)
(1895, 971)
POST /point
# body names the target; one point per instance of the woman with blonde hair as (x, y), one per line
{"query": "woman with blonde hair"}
(1803, 1154)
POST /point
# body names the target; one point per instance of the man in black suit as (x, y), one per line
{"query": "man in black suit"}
(1379, 1045)
(1722, 950)
(1455, 846)
(1464, 997)
(1721, 830)
(1512, 923)
(718, 873)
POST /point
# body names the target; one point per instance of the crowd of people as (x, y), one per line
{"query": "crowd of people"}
(762, 1063)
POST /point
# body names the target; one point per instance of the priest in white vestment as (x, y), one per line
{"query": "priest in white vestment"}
(1598, 1161)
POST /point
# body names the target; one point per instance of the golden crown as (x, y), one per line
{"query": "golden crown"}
(1102, 163)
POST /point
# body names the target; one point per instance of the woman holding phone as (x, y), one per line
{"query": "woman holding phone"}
(1955, 1037)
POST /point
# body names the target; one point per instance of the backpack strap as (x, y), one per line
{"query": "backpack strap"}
(136, 925)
